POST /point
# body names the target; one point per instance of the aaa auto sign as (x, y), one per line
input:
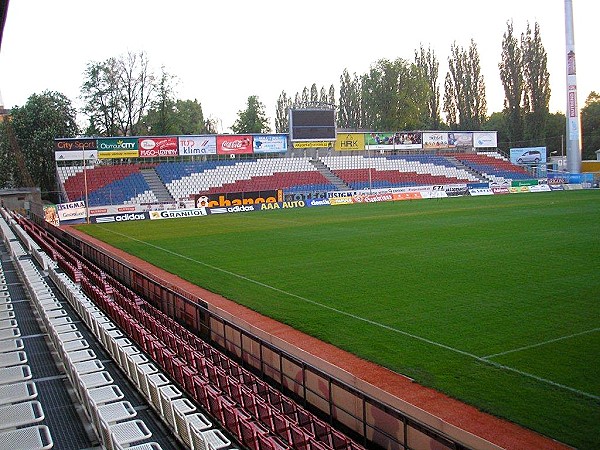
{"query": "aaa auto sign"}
(235, 144)
(157, 146)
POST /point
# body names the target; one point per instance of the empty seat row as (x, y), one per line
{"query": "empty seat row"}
(20, 411)
(178, 412)
(209, 377)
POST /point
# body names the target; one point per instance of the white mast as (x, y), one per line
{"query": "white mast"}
(573, 121)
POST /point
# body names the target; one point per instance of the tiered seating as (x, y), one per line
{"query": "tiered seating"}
(360, 172)
(493, 166)
(20, 411)
(292, 174)
(106, 185)
(258, 415)
(121, 191)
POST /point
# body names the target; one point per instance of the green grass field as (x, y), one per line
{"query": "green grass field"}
(492, 300)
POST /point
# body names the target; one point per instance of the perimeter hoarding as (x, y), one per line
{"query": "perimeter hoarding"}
(238, 199)
(197, 145)
(75, 149)
(349, 142)
(235, 144)
(76, 145)
(435, 139)
(393, 141)
(114, 148)
(73, 211)
(460, 139)
(270, 143)
(152, 147)
(88, 155)
(485, 139)
(528, 155)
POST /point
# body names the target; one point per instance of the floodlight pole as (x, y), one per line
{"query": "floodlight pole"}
(573, 120)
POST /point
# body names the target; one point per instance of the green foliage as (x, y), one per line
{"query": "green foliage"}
(182, 117)
(117, 94)
(537, 85)
(465, 103)
(349, 114)
(282, 119)
(590, 126)
(394, 96)
(511, 74)
(431, 289)
(252, 119)
(36, 124)
(427, 62)
(7, 167)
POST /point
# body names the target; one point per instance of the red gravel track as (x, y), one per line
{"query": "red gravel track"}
(420, 402)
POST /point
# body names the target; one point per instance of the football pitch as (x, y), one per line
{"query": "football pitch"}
(492, 300)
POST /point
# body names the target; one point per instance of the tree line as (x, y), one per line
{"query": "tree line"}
(123, 97)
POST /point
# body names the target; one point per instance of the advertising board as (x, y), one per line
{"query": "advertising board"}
(197, 145)
(235, 144)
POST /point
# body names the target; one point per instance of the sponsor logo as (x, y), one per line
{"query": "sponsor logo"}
(373, 198)
(320, 202)
(105, 219)
(480, 191)
(178, 213)
(147, 144)
(340, 200)
(154, 152)
(313, 144)
(98, 211)
(222, 201)
(126, 208)
(294, 204)
(83, 144)
(236, 209)
(126, 217)
(119, 144)
(71, 205)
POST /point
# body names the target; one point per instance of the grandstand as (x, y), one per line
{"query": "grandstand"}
(177, 181)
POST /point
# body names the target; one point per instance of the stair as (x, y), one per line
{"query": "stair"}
(156, 185)
(329, 175)
(460, 165)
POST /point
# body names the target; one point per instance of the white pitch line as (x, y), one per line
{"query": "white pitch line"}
(362, 319)
(540, 344)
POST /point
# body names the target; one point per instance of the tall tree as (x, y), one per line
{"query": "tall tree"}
(305, 99)
(590, 126)
(189, 118)
(181, 117)
(511, 74)
(349, 111)
(101, 93)
(331, 95)
(314, 94)
(117, 94)
(427, 62)
(393, 96)
(537, 84)
(282, 113)
(464, 96)
(36, 124)
(252, 119)
(160, 118)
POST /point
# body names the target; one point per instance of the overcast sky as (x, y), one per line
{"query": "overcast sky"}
(226, 50)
